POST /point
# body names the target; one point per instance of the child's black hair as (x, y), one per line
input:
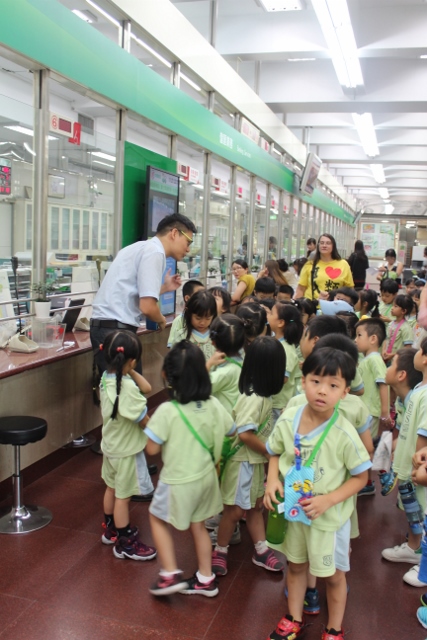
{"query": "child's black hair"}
(264, 367)
(189, 286)
(219, 292)
(294, 327)
(320, 326)
(351, 320)
(119, 347)
(409, 281)
(405, 302)
(283, 265)
(330, 362)
(374, 327)
(254, 319)
(370, 297)
(227, 331)
(416, 294)
(423, 347)
(405, 362)
(202, 304)
(412, 295)
(305, 305)
(388, 285)
(268, 302)
(186, 374)
(286, 288)
(342, 343)
(349, 292)
(265, 285)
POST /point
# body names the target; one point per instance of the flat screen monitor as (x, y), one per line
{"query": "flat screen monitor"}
(310, 173)
(162, 198)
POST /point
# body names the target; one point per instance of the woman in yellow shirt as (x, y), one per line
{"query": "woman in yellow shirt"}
(245, 281)
(327, 272)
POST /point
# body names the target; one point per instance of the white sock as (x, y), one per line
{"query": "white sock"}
(260, 547)
(204, 579)
(221, 549)
(169, 574)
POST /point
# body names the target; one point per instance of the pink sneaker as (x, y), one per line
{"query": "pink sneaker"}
(268, 560)
(219, 563)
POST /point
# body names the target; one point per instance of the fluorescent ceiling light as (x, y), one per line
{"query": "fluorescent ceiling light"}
(300, 59)
(366, 130)
(104, 156)
(384, 194)
(378, 173)
(103, 163)
(388, 209)
(83, 16)
(335, 22)
(151, 50)
(423, 56)
(25, 130)
(190, 82)
(104, 13)
(28, 148)
(281, 5)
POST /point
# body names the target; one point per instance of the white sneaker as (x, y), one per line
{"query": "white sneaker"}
(213, 523)
(235, 538)
(411, 577)
(402, 553)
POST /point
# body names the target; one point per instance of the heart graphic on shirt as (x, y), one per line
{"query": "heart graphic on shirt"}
(333, 273)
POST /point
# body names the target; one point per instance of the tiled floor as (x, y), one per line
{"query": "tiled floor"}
(61, 583)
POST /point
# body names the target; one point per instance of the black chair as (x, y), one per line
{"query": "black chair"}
(18, 431)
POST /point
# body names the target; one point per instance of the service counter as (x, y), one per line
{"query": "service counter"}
(57, 386)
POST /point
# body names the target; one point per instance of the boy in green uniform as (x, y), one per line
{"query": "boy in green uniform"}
(340, 471)
(190, 287)
(388, 291)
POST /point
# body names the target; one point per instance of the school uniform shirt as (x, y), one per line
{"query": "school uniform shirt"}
(281, 399)
(202, 340)
(372, 370)
(177, 330)
(404, 336)
(385, 309)
(414, 424)
(328, 276)
(412, 320)
(184, 458)
(225, 382)
(341, 455)
(400, 407)
(419, 334)
(123, 436)
(352, 408)
(249, 413)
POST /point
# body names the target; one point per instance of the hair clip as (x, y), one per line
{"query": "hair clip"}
(121, 349)
(101, 347)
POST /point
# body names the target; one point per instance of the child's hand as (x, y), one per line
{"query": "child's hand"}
(270, 494)
(419, 475)
(419, 457)
(217, 358)
(314, 507)
(386, 319)
(387, 356)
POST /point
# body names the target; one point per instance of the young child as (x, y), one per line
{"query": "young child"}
(124, 469)
(410, 286)
(189, 431)
(351, 320)
(412, 437)
(201, 309)
(348, 294)
(284, 292)
(399, 331)
(265, 288)
(368, 304)
(413, 316)
(324, 546)
(307, 308)
(285, 321)
(188, 289)
(254, 319)
(388, 291)
(223, 299)
(242, 482)
(370, 335)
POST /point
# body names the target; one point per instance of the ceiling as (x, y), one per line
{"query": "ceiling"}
(390, 35)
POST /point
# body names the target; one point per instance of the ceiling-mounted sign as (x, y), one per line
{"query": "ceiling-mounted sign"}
(63, 126)
(5, 177)
(77, 132)
(249, 130)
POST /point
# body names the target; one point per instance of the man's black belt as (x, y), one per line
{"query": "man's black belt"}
(111, 324)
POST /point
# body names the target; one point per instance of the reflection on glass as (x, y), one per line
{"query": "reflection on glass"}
(241, 220)
(273, 248)
(191, 205)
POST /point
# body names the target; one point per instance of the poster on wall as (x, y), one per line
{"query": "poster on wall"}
(377, 238)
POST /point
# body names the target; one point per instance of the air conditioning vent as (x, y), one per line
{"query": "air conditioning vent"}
(88, 124)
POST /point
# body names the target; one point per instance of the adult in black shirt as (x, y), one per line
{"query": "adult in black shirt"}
(358, 262)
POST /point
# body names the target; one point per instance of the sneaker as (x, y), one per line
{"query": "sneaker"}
(287, 629)
(131, 547)
(411, 577)
(166, 585)
(243, 518)
(110, 534)
(268, 560)
(235, 538)
(424, 599)
(219, 563)
(195, 587)
(332, 635)
(402, 553)
(422, 616)
(388, 480)
(311, 602)
(213, 523)
(368, 490)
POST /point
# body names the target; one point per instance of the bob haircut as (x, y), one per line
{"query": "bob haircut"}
(293, 325)
(254, 319)
(320, 326)
(265, 285)
(202, 304)
(373, 327)
(330, 362)
(334, 254)
(388, 285)
(228, 333)
(241, 263)
(186, 374)
(405, 362)
(219, 292)
(404, 302)
(342, 343)
(263, 368)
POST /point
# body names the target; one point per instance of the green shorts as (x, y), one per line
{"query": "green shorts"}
(128, 476)
(182, 504)
(242, 483)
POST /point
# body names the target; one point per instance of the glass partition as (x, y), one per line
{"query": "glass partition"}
(273, 247)
(260, 224)
(241, 220)
(219, 218)
(286, 232)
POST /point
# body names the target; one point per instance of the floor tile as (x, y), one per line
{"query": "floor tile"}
(12, 608)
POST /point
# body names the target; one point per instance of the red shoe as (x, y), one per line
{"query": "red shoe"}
(336, 635)
(219, 563)
(287, 629)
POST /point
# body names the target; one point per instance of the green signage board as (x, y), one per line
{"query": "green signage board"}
(48, 33)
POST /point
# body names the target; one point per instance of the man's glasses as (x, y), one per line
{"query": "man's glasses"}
(190, 240)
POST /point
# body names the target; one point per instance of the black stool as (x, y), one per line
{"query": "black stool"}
(17, 431)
